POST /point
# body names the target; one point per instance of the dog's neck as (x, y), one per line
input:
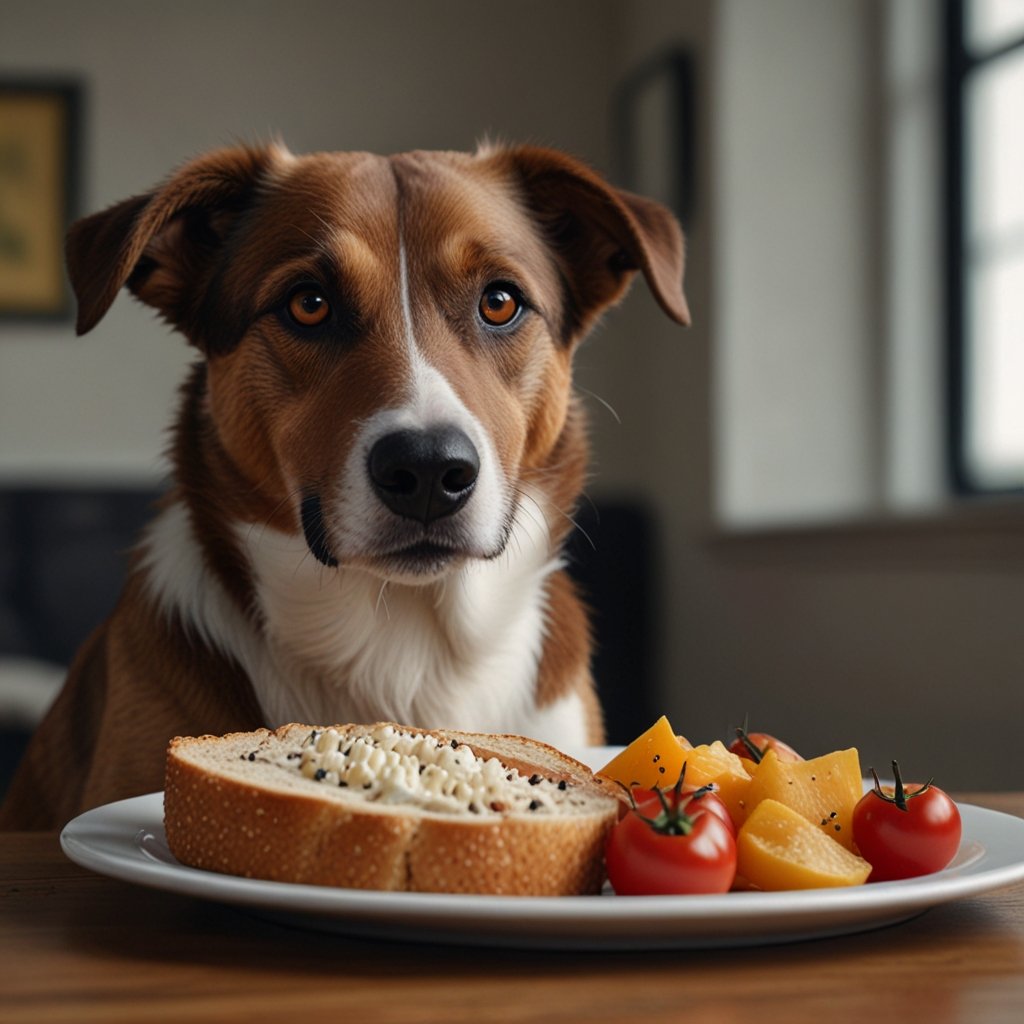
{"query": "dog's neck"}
(324, 645)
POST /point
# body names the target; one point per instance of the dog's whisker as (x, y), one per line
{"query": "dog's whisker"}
(382, 600)
(561, 512)
(601, 401)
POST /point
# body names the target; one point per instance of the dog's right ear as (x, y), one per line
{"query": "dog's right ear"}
(163, 244)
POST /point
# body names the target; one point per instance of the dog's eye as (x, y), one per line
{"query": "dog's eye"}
(499, 305)
(308, 307)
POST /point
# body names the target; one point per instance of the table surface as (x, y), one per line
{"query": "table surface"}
(78, 947)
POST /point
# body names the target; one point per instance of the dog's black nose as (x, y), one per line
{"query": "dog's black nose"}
(424, 474)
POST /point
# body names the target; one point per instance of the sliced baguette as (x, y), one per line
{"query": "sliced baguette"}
(240, 804)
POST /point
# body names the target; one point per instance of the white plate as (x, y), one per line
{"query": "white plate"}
(125, 840)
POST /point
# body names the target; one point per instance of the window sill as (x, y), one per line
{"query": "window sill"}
(981, 534)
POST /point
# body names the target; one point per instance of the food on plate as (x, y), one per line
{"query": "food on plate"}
(654, 758)
(798, 823)
(674, 842)
(778, 848)
(388, 807)
(824, 790)
(752, 746)
(710, 763)
(906, 830)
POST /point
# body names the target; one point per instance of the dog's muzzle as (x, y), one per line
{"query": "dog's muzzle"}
(424, 475)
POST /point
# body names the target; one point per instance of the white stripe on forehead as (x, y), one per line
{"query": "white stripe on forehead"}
(432, 398)
(403, 287)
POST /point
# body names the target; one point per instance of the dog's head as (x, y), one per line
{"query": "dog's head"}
(387, 340)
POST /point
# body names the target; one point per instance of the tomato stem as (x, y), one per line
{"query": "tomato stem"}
(900, 795)
(672, 821)
(756, 753)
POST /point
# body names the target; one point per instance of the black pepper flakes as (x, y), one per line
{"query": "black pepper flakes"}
(535, 780)
(252, 756)
(563, 785)
(319, 774)
(534, 804)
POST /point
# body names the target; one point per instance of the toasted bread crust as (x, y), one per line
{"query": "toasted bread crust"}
(216, 820)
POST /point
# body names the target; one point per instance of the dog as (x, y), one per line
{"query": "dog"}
(375, 460)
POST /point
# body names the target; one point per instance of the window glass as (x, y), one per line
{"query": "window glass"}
(993, 253)
(993, 23)
(995, 169)
(994, 413)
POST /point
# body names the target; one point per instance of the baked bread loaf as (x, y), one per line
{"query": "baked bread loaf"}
(388, 807)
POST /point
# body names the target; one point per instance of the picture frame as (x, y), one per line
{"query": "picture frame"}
(654, 132)
(39, 154)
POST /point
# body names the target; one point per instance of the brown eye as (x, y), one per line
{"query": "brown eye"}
(308, 307)
(498, 306)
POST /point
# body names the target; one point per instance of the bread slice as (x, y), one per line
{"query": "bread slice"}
(388, 807)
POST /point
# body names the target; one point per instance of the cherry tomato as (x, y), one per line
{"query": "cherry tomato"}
(754, 745)
(907, 831)
(683, 847)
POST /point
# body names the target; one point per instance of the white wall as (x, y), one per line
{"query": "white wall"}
(796, 310)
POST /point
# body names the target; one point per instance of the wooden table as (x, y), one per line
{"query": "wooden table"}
(78, 947)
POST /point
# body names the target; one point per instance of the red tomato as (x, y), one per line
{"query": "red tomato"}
(907, 831)
(684, 847)
(754, 745)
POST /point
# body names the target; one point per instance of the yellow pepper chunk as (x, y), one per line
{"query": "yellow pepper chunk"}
(714, 762)
(653, 760)
(778, 848)
(824, 790)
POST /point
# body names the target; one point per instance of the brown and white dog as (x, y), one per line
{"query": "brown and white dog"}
(375, 460)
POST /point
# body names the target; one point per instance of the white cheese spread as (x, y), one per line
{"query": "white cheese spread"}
(394, 767)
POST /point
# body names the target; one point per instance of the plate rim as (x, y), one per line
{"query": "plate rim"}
(125, 823)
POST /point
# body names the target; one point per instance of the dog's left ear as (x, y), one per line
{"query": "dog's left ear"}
(602, 235)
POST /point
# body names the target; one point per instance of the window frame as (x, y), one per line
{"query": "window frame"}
(959, 64)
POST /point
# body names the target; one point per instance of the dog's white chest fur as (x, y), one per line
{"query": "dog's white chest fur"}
(340, 645)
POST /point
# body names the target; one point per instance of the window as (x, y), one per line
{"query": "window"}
(985, 284)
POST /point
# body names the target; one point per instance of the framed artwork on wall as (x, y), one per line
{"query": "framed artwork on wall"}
(39, 132)
(653, 131)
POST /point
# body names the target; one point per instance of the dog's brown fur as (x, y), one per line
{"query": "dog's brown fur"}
(266, 412)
